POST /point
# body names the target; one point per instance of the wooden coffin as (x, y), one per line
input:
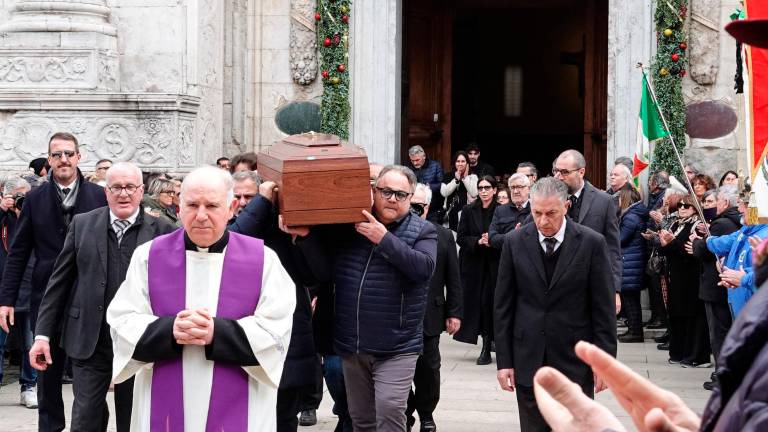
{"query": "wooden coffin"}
(321, 179)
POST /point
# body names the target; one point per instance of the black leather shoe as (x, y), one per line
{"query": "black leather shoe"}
(428, 426)
(662, 339)
(656, 325)
(710, 385)
(663, 346)
(308, 418)
(484, 358)
(631, 338)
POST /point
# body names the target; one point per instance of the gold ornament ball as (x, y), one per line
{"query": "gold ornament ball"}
(335, 80)
(344, 9)
(663, 72)
(668, 32)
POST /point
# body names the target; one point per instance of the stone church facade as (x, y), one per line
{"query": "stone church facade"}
(173, 84)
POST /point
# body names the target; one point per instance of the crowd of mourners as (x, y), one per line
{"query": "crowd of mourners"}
(449, 240)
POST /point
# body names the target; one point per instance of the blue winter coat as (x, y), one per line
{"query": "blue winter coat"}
(380, 290)
(633, 248)
(739, 254)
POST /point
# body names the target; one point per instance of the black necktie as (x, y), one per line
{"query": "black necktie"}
(550, 243)
(572, 210)
(65, 191)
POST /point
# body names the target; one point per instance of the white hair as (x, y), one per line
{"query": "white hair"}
(427, 192)
(548, 187)
(624, 171)
(519, 176)
(127, 166)
(15, 183)
(208, 174)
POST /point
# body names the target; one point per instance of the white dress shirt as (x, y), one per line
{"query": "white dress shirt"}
(559, 236)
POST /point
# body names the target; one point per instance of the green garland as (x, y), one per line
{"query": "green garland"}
(667, 71)
(332, 19)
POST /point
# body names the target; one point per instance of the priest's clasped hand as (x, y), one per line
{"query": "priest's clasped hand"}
(193, 327)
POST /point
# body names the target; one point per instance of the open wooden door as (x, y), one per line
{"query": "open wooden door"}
(596, 92)
(426, 85)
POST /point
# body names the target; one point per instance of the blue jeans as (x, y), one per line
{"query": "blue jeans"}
(334, 380)
(28, 377)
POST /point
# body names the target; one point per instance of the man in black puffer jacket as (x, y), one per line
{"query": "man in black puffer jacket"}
(715, 296)
(381, 270)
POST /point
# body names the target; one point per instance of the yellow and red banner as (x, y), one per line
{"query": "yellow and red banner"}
(756, 97)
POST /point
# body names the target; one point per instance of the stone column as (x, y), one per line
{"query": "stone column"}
(375, 71)
(631, 39)
(60, 16)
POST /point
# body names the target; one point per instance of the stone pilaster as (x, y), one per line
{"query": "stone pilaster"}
(375, 72)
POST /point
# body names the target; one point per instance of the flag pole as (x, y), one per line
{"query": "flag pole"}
(696, 203)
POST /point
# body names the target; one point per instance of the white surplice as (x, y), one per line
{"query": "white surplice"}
(268, 331)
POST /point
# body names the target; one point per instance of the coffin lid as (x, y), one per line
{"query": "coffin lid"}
(312, 146)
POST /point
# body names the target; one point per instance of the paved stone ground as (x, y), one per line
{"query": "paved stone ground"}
(470, 395)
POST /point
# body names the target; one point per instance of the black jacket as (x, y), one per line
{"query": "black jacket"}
(259, 219)
(723, 224)
(505, 219)
(599, 212)
(683, 270)
(532, 318)
(42, 228)
(75, 297)
(444, 296)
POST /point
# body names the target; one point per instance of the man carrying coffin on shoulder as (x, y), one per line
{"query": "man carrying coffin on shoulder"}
(203, 320)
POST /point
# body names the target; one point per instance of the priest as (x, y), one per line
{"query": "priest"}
(203, 320)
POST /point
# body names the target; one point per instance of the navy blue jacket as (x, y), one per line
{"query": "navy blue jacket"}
(633, 247)
(505, 219)
(380, 289)
(41, 228)
(738, 403)
(431, 173)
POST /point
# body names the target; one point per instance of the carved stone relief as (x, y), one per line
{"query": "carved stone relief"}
(704, 44)
(303, 49)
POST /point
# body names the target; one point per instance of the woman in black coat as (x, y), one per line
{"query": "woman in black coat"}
(688, 334)
(632, 223)
(479, 264)
(457, 187)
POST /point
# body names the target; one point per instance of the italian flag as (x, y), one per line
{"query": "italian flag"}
(649, 129)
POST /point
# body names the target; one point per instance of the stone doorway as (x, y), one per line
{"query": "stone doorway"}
(525, 79)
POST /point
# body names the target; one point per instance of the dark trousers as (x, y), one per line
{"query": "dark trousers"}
(531, 419)
(313, 395)
(426, 380)
(334, 379)
(719, 322)
(630, 303)
(92, 377)
(689, 339)
(288, 400)
(50, 404)
(658, 309)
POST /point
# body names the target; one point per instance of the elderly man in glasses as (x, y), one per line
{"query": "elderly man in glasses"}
(514, 214)
(87, 274)
(41, 229)
(381, 269)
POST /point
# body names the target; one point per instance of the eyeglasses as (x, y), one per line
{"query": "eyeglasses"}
(169, 192)
(129, 189)
(103, 168)
(517, 187)
(68, 153)
(387, 193)
(484, 188)
(418, 208)
(563, 172)
(530, 175)
(685, 205)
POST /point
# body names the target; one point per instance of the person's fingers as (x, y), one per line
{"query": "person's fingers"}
(11, 318)
(369, 216)
(198, 320)
(557, 416)
(616, 375)
(657, 421)
(563, 390)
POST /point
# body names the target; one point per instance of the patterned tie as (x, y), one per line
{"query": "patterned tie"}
(550, 243)
(65, 191)
(120, 225)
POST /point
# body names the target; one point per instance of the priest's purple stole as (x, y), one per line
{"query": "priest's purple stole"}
(238, 296)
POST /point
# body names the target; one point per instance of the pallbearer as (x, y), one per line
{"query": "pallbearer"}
(203, 320)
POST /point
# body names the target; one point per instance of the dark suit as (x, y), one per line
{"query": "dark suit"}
(41, 228)
(82, 285)
(443, 301)
(538, 321)
(598, 211)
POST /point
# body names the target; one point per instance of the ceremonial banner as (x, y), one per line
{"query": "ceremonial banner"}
(649, 129)
(756, 121)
